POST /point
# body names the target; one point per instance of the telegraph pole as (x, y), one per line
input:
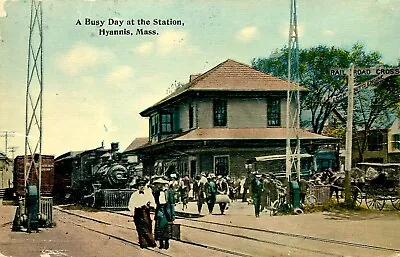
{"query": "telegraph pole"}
(13, 150)
(7, 134)
(349, 133)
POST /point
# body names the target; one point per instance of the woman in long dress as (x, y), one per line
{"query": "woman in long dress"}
(164, 213)
(139, 205)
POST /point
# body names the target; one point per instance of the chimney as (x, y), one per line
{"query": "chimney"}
(194, 76)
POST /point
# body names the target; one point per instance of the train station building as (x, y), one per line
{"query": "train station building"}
(217, 121)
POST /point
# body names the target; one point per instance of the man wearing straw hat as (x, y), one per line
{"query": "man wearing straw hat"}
(165, 212)
(139, 205)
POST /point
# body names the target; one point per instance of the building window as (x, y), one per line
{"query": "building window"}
(375, 141)
(396, 141)
(183, 169)
(154, 123)
(274, 112)
(220, 113)
(166, 123)
(221, 165)
(191, 115)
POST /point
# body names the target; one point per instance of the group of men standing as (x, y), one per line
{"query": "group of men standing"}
(266, 189)
(211, 190)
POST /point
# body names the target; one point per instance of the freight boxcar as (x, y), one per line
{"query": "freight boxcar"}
(47, 178)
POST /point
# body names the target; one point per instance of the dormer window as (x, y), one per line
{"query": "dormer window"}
(220, 112)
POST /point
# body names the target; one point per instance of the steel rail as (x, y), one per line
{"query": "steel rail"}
(314, 238)
(129, 228)
(113, 236)
(243, 236)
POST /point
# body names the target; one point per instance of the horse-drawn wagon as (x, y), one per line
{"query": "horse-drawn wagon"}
(380, 184)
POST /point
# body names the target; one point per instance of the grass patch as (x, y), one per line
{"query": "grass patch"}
(80, 207)
(334, 206)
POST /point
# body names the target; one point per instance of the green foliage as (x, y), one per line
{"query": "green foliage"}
(336, 130)
(327, 92)
(333, 206)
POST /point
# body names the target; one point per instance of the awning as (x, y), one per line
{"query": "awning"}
(278, 157)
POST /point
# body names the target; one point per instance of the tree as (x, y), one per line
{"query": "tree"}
(336, 129)
(326, 92)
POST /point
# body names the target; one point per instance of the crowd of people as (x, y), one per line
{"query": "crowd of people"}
(164, 192)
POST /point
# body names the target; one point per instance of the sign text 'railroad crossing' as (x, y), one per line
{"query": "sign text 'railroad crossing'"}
(367, 71)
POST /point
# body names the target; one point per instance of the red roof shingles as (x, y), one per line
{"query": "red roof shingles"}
(136, 143)
(246, 133)
(231, 75)
(234, 76)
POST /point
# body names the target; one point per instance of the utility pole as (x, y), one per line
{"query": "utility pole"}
(7, 134)
(293, 97)
(13, 150)
(349, 133)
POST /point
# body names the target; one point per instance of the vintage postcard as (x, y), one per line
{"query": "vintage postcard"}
(199, 128)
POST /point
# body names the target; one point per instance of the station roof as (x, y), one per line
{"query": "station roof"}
(247, 133)
(137, 142)
(248, 136)
(230, 76)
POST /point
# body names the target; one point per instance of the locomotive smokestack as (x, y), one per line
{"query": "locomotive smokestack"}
(114, 147)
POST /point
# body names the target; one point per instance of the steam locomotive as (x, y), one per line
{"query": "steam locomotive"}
(98, 177)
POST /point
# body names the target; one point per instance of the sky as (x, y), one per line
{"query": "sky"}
(95, 86)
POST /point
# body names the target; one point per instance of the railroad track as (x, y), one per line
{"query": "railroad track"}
(255, 239)
(280, 233)
(209, 247)
(119, 238)
(314, 238)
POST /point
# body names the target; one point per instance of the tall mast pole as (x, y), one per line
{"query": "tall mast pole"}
(33, 101)
(293, 96)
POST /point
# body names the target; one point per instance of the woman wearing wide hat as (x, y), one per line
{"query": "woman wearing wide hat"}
(164, 213)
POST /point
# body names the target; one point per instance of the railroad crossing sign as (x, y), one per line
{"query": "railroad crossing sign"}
(366, 71)
(371, 82)
(381, 73)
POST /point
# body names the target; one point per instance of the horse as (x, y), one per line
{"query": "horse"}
(336, 181)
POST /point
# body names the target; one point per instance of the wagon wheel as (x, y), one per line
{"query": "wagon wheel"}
(274, 208)
(357, 196)
(374, 200)
(395, 202)
(310, 200)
